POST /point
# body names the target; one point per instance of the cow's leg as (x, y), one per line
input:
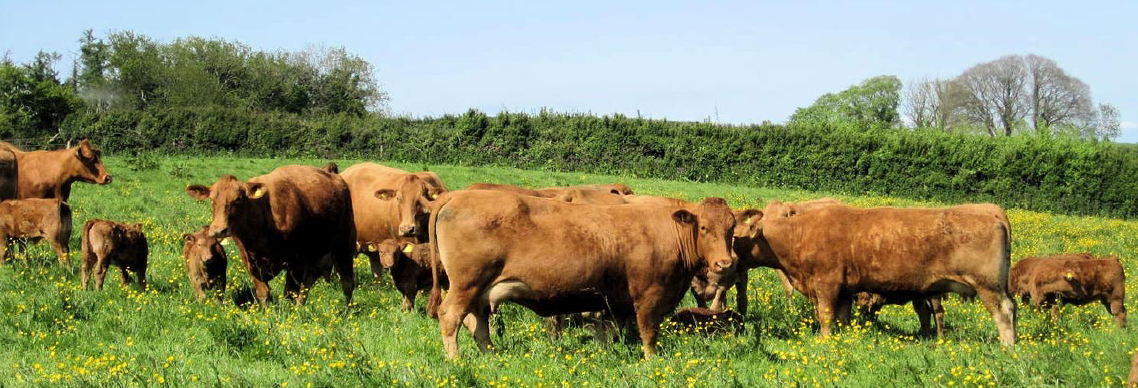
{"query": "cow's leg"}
(648, 321)
(1055, 306)
(4, 252)
(85, 269)
(924, 312)
(101, 266)
(62, 253)
(938, 315)
(555, 323)
(719, 301)
(478, 323)
(141, 272)
(409, 299)
(292, 286)
(344, 268)
(1003, 310)
(453, 309)
(843, 312)
(786, 286)
(125, 276)
(261, 287)
(741, 294)
(1115, 306)
(376, 265)
(699, 302)
(826, 307)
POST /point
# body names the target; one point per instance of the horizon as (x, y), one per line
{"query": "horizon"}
(730, 63)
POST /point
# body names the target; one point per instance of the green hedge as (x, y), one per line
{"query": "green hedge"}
(1054, 175)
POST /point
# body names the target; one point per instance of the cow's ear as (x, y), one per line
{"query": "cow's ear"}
(138, 225)
(84, 150)
(385, 194)
(188, 237)
(198, 192)
(747, 223)
(257, 190)
(684, 217)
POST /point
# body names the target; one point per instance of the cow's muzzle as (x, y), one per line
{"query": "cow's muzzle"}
(407, 230)
(106, 179)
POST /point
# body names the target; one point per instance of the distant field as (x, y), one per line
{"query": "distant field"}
(54, 333)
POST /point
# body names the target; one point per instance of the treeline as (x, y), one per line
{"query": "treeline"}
(204, 96)
(1041, 173)
(132, 73)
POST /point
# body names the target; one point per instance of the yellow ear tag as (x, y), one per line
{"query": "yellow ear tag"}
(258, 193)
(434, 195)
(747, 220)
(408, 249)
(370, 247)
(1070, 275)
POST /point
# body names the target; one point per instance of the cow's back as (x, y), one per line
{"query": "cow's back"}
(309, 198)
(878, 247)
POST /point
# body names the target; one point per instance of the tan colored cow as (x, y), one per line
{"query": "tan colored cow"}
(832, 253)
(410, 267)
(108, 242)
(296, 218)
(704, 292)
(552, 257)
(49, 219)
(1071, 279)
(9, 174)
(390, 203)
(1132, 379)
(49, 174)
(206, 263)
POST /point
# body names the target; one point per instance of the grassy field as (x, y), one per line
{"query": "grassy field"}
(55, 333)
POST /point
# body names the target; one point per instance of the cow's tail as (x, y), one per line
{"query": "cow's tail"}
(436, 296)
(1005, 256)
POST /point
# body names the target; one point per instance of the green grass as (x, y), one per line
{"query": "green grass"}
(53, 332)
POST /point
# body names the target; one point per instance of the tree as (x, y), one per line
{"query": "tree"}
(33, 103)
(1109, 125)
(868, 105)
(995, 94)
(1056, 98)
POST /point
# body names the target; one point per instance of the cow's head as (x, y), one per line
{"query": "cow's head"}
(88, 162)
(714, 226)
(392, 252)
(746, 242)
(233, 201)
(205, 260)
(413, 198)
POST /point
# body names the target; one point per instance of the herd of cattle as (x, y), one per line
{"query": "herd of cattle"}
(598, 249)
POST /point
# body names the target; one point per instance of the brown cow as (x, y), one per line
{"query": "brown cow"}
(37, 218)
(49, 174)
(703, 291)
(837, 251)
(410, 268)
(389, 203)
(556, 258)
(108, 242)
(554, 192)
(206, 263)
(295, 218)
(1071, 279)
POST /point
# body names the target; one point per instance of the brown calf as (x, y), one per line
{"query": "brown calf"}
(206, 263)
(49, 219)
(108, 242)
(1075, 279)
(410, 268)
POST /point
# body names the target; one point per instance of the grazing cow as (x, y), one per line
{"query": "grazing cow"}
(206, 263)
(108, 242)
(37, 218)
(707, 321)
(832, 253)
(1075, 279)
(295, 218)
(410, 267)
(635, 261)
(389, 203)
(49, 174)
(703, 291)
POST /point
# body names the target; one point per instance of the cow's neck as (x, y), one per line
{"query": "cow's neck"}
(258, 220)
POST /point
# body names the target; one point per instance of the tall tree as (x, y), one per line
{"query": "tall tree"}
(870, 104)
(1055, 96)
(995, 94)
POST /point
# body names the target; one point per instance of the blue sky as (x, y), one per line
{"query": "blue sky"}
(733, 62)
